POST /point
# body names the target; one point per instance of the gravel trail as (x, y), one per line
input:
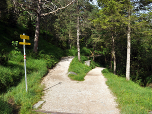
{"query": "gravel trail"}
(91, 96)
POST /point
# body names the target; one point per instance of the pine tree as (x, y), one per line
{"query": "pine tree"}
(110, 18)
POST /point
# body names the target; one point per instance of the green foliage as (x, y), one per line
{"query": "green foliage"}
(149, 79)
(72, 52)
(113, 20)
(132, 98)
(85, 51)
(105, 71)
(83, 59)
(3, 57)
(48, 52)
(30, 29)
(10, 75)
(15, 44)
(94, 64)
(23, 19)
(11, 18)
(36, 69)
(5, 108)
(50, 59)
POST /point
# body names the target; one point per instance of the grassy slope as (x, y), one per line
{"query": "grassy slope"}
(132, 98)
(14, 97)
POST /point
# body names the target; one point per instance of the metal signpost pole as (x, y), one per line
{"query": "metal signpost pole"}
(25, 63)
(24, 37)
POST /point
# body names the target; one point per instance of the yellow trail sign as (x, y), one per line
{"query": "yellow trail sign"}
(24, 43)
(24, 37)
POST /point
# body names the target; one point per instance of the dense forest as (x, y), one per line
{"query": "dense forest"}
(118, 30)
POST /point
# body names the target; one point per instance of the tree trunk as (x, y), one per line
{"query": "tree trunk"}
(78, 33)
(105, 60)
(93, 51)
(15, 10)
(113, 54)
(128, 47)
(37, 30)
(111, 61)
(69, 38)
(70, 33)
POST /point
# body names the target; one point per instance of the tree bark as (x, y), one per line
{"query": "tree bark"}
(15, 9)
(70, 33)
(128, 47)
(93, 51)
(111, 61)
(113, 54)
(69, 38)
(78, 33)
(37, 30)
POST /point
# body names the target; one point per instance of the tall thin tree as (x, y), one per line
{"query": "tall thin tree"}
(128, 44)
(78, 32)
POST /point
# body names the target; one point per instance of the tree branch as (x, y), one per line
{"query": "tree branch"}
(58, 3)
(44, 14)
(21, 5)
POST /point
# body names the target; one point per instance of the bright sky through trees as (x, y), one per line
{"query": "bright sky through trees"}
(95, 2)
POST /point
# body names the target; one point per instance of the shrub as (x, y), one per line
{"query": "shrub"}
(10, 75)
(3, 57)
(71, 52)
(5, 108)
(85, 51)
(105, 71)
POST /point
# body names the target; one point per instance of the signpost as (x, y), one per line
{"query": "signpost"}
(24, 37)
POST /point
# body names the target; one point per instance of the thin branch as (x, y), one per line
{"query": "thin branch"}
(27, 8)
(58, 3)
(44, 14)
(46, 6)
(21, 5)
(49, 2)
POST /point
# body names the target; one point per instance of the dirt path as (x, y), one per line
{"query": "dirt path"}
(91, 96)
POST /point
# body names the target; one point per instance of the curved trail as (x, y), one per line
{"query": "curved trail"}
(63, 95)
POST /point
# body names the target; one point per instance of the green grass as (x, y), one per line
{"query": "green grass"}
(80, 68)
(5, 108)
(36, 69)
(73, 51)
(132, 98)
(12, 79)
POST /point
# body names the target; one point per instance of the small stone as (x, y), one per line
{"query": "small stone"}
(150, 112)
(38, 104)
(87, 62)
(72, 73)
